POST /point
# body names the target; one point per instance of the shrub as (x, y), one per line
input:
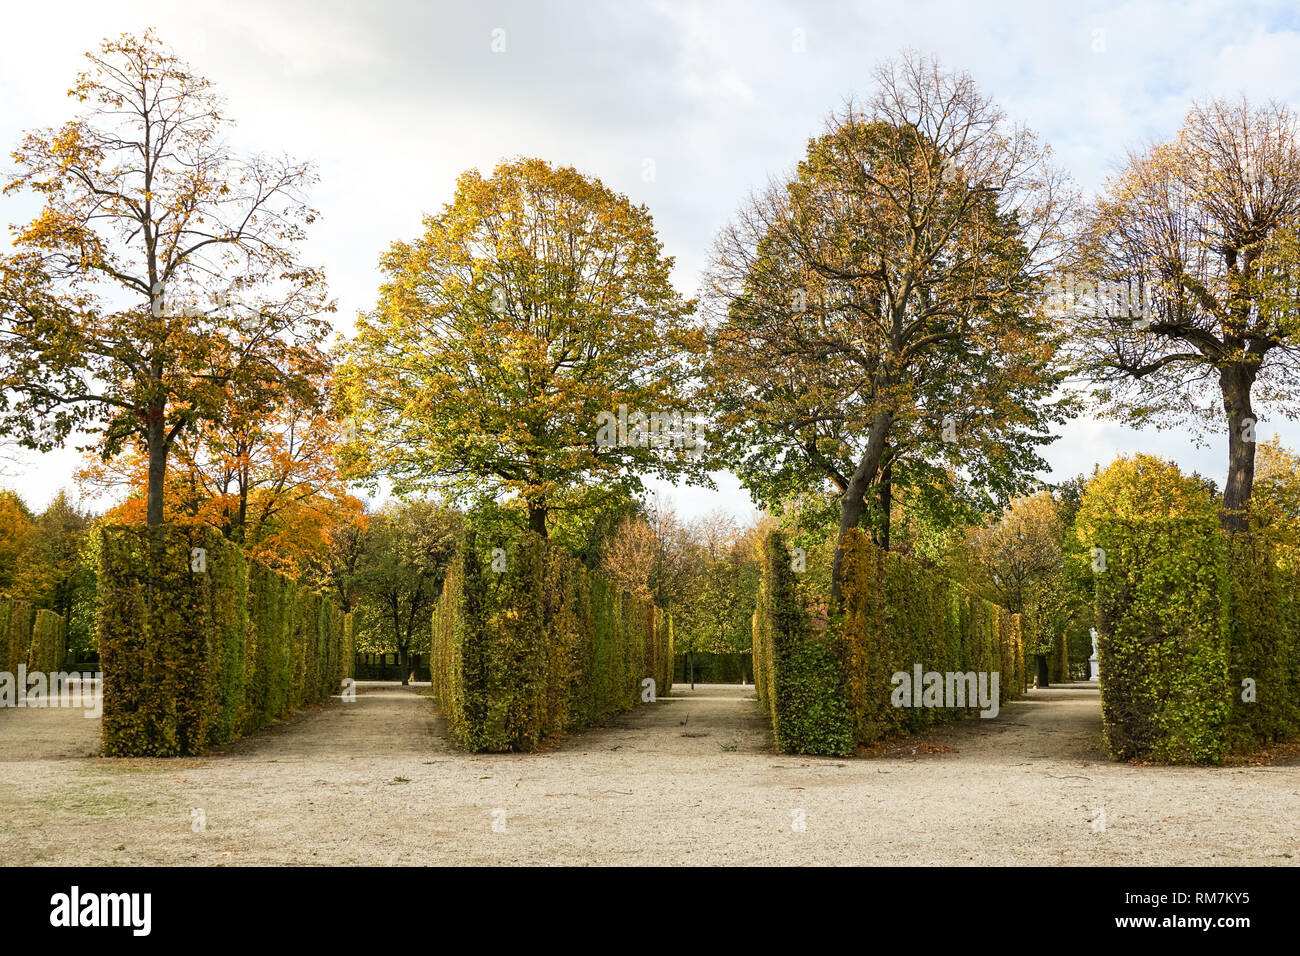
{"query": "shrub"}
(6, 611)
(800, 678)
(828, 692)
(1185, 614)
(48, 646)
(17, 621)
(193, 658)
(527, 643)
(1161, 646)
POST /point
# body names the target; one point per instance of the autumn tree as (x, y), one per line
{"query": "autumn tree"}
(727, 582)
(17, 536)
(1198, 235)
(55, 572)
(408, 547)
(650, 553)
(1019, 562)
(536, 305)
(878, 317)
(336, 568)
(1142, 486)
(265, 476)
(1275, 508)
(161, 272)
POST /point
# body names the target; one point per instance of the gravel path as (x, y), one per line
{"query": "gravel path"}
(690, 779)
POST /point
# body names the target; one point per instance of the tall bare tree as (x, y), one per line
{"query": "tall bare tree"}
(160, 269)
(1200, 235)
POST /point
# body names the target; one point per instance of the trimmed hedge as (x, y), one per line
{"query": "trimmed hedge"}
(16, 621)
(196, 658)
(49, 650)
(1185, 614)
(799, 675)
(6, 612)
(829, 692)
(541, 648)
(709, 667)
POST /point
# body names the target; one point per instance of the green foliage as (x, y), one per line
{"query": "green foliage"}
(1160, 638)
(830, 691)
(195, 658)
(1262, 606)
(528, 644)
(17, 621)
(48, 643)
(534, 305)
(1186, 615)
(405, 550)
(898, 614)
(798, 673)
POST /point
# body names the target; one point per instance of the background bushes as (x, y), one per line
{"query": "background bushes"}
(1185, 613)
(15, 633)
(828, 691)
(714, 668)
(192, 659)
(48, 643)
(536, 645)
(35, 640)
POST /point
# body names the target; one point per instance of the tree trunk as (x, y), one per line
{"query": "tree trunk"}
(243, 506)
(156, 441)
(406, 665)
(854, 500)
(1043, 676)
(537, 518)
(1235, 382)
(886, 498)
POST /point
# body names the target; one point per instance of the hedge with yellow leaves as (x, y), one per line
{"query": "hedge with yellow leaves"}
(528, 644)
(199, 645)
(830, 690)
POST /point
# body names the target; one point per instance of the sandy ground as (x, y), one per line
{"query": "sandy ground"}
(691, 779)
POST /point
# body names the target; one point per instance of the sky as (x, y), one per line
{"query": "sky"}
(685, 107)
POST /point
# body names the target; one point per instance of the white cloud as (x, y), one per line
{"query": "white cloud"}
(394, 100)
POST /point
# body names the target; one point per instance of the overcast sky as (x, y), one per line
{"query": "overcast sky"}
(393, 100)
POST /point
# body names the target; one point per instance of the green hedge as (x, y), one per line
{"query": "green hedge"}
(196, 658)
(49, 650)
(830, 691)
(799, 675)
(16, 621)
(710, 667)
(6, 612)
(540, 648)
(1185, 614)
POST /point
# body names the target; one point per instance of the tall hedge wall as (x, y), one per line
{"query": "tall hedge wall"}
(799, 675)
(16, 620)
(193, 658)
(48, 644)
(898, 614)
(6, 612)
(830, 691)
(1185, 614)
(540, 648)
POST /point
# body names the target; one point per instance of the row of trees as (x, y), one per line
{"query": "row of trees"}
(705, 572)
(45, 560)
(876, 344)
